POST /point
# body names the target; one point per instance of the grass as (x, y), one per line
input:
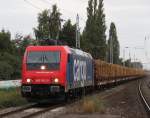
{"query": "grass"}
(89, 104)
(11, 97)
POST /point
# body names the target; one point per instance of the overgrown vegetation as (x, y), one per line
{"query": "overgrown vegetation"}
(11, 97)
(89, 104)
(93, 104)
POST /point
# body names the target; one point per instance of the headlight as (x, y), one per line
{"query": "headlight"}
(43, 67)
(28, 80)
(56, 80)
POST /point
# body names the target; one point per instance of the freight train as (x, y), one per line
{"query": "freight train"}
(61, 72)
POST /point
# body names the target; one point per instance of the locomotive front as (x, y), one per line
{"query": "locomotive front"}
(43, 72)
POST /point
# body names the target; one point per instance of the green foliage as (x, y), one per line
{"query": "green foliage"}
(113, 45)
(42, 31)
(9, 63)
(94, 38)
(5, 42)
(68, 34)
(120, 61)
(128, 63)
(6, 70)
(55, 23)
(49, 25)
(11, 52)
(26, 41)
(10, 66)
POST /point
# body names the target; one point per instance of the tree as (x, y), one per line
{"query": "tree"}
(21, 42)
(55, 23)
(100, 31)
(88, 31)
(68, 34)
(6, 70)
(94, 38)
(10, 61)
(113, 45)
(42, 31)
(49, 25)
(128, 63)
(5, 43)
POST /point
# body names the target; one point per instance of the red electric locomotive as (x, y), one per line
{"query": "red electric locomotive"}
(54, 72)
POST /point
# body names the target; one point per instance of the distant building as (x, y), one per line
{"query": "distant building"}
(137, 65)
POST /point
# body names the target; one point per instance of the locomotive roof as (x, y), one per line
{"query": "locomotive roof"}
(66, 48)
(80, 52)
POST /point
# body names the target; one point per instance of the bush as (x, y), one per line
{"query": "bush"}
(11, 64)
(6, 70)
(93, 104)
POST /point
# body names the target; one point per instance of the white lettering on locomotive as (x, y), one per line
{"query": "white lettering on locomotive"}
(79, 70)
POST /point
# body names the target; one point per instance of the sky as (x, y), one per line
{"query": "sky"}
(132, 19)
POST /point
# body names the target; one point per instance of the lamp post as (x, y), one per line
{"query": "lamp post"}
(124, 55)
(134, 58)
(111, 50)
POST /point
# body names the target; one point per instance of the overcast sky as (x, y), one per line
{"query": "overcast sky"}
(132, 19)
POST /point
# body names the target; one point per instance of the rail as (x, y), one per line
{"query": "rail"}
(147, 106)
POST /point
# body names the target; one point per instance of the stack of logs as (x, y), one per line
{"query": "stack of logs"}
(110, 73)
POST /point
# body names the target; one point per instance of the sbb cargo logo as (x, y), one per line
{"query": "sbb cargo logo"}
(79, 70)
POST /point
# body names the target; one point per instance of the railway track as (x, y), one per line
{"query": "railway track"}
(23, 112)
(43, 110)
(144, 101)
(9, 112)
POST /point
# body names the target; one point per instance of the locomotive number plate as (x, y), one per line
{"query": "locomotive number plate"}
(26, 88)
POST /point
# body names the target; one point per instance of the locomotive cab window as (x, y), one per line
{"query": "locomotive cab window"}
(43, 60)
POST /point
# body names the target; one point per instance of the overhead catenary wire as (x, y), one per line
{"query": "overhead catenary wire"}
(69, 12)
(46, 1)
(30, 3)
